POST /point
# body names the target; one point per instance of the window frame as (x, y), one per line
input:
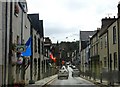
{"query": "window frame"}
(114, 35)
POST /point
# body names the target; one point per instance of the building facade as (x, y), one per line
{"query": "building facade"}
(84, 49)
(19, 35)
(15, 24)
(94, 54)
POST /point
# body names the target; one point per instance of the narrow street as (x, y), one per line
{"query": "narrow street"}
(38, 37)
(71, 81)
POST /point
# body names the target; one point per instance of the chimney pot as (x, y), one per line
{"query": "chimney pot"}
(119, 2)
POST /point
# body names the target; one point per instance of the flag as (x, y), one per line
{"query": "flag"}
(29, 41)
(51, 56)
(28, 48)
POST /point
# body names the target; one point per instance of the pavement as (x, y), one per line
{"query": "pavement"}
(43, 82)
(103, 84)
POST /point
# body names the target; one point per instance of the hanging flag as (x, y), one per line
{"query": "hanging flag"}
(29, 41)
(51, 56)
(54, 59)
(28, 48)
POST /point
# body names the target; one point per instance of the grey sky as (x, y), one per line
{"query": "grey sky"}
(65, 18)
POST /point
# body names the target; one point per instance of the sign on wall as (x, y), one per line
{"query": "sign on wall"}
(20, 48)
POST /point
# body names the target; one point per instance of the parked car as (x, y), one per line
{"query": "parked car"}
(75, 72)
(63, 73)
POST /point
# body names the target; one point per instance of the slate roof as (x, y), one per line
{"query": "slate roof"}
(36, 23)
(85, 35)
(41, 30)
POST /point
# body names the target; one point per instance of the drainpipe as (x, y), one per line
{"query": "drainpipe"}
(108, 51)
(118, 50)
(109, 62)
(5, 60)
(22, 28)
(22, 42)
(31, 81)
(10, 47)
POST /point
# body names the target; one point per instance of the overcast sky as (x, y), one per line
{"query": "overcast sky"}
(65, 18)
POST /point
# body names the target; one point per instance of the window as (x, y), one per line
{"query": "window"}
(101, 44)
(35, 44)
(91, 51)
(94, 50)
(96, 38)
(97, 48)
(110, 62)
(114, 35)
(115, 60)
(39, 45)
(18, 39)
(46, 51)
(35, 67)
(105, 62)
(105, 41)
(39, 69)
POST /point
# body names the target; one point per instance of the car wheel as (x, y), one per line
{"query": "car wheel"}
(58, 77)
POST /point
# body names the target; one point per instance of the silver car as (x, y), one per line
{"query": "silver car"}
(63, 73)
(75, 72)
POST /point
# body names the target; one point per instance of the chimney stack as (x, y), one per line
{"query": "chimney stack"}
(118, 9)
(107, 21)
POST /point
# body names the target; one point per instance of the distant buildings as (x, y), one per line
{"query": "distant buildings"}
(84, 48)
(104, 48)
